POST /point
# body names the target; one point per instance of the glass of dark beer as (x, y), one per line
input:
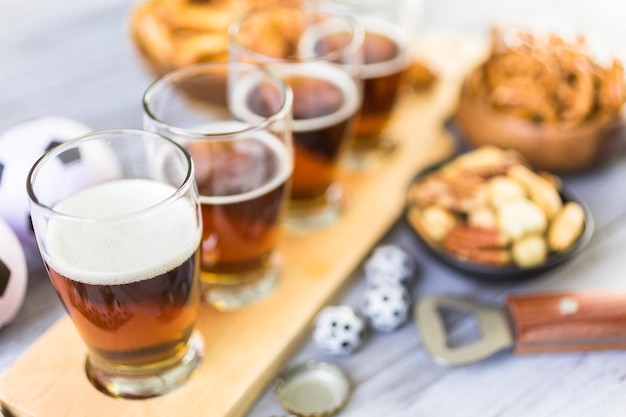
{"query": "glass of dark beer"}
(117, 219)
(390, 28)
(327, 95)
(235, 121)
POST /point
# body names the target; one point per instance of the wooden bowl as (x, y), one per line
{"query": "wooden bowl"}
(558, 148)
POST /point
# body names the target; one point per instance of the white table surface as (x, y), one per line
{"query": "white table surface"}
(75, 58)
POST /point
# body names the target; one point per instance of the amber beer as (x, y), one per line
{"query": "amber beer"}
(236, 126)
(243, 186)
(131, 288)
(386, 57)
(326, 100)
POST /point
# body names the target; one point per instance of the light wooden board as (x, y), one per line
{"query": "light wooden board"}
(245, 349)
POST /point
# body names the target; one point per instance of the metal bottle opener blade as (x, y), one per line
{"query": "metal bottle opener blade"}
(494, 330)
(529, 323)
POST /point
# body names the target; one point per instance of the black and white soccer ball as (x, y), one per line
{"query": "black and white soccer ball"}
(21, 146)
(389, 263)
(385, 306)
(13, 274)
(339, 330)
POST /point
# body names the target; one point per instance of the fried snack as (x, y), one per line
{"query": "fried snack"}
(437, 222)
(466, 237)
(548, 79)
(420, 76)
(566, 227)
(175, 33)
(478, 244)
(482, 217)
(452, 192)
(485, 161)
(529, 251)
(489, 206)
(521, 217)
(502, 189)
(541, 191)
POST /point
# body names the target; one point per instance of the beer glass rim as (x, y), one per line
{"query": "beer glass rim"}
(281, 114)
(181, 190)
(357, 35)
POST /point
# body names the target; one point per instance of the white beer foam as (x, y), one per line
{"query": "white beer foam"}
(106, 248)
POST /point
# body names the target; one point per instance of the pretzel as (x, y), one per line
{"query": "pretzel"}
(548, 79)
(175, 33)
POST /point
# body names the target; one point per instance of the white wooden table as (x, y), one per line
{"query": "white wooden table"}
(75, 59)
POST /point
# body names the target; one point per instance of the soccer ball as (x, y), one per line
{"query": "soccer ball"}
(13, 274)
(22, 145)
(338, 330)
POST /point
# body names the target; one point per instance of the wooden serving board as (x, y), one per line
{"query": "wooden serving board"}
(245, 349)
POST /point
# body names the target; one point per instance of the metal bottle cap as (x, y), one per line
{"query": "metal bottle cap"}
(312, 389)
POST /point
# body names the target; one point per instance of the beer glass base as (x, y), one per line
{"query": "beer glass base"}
(252, 287)
(368, 154)
(306, 216)
(147, 382)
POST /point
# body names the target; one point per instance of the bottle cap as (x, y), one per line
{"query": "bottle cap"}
(312, 389)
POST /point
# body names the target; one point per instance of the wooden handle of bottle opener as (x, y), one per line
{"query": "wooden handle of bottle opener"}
(568, 321)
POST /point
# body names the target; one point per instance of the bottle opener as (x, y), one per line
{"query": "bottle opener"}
(528, 323)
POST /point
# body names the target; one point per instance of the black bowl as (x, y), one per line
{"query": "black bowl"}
(508, 272)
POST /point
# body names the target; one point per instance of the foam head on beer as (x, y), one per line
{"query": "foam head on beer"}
(117, 249)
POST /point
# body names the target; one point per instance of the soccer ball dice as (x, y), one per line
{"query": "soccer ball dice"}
(389, 263)
(338, 330)
(385, 306)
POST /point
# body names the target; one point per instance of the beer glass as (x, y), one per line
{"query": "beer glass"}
(235, 121)
(390, 27)
(318, 54)
(117, 220)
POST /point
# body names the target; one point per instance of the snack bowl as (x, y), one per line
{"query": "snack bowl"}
(487, 270)
(551, 98)
(560, 148)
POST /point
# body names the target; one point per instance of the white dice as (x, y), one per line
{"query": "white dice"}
(339, 330)
(389, 263)
(385, 306)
